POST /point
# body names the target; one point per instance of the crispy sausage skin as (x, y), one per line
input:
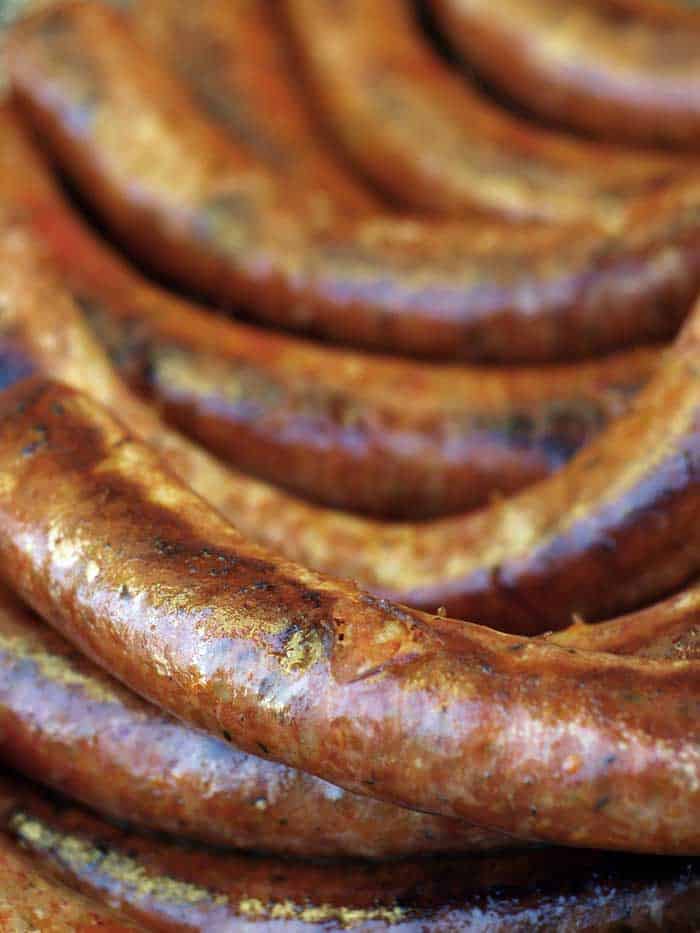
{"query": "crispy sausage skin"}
(218, 221)
(145, 578)
(68, 725)
(606, 534)
(619, 69)
(171, 887)
(65, 723)
(329, 425)
(435, 142)
(31, 901)
(240, 70)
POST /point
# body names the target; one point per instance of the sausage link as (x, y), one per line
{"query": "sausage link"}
(169, 887)
(65, 723)
(329, 425)
(145, 578)
(69, 726)
(669, 630)
(240, 69)
(435, 142)
(606, 534)
(217, 221)
(32, 903)
(620, 69)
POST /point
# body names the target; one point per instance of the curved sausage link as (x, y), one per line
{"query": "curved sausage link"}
(668, 630)
(330, 425)
(212, 218)
(606, 534)
(170, 887)
(619, 69)
(435, 142)
(30, 901)
(241, 72)
(143, 576)
(65, 723)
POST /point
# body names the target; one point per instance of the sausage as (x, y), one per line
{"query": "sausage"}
(329, 425)
(65, 723)
(37, 904)
(668, 630)
(619, 69)
(211, 218)
(99, 537)
(239, 69)
(434, 141)
(169, 887)
(606, 534)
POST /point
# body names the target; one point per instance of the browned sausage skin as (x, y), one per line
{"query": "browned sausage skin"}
(173, 887)
(329, 425)
(620, 69)
(669, 630)
(65, 723)
(432, 140)
(606, 534)
(145, 578)
(241, 72)
(31, 901)
(210, 217)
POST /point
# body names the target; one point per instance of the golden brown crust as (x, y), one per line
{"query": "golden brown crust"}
(434, 141)
(241, 72)
(144, 577)
(670, 630)
(31, 902)
(172, 887)
(620, 69)
(211, 218)
(579, 542)
(68, 725)
(330, 425)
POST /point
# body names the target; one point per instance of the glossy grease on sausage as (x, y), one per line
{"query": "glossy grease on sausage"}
(326, 424)
(620, 69)
(437, 143)
(145, 578)
(213, 219)
(173, 887)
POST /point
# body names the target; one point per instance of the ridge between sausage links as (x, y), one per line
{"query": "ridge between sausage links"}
(214, 219)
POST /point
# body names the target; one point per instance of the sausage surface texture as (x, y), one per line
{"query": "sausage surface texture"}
(31, 902)
(326, 424)
(217, 221)
(619, 69)
(435, 142)
(65, 723)
(173, 887)
(68, 725)
(235, 60)
(144, 577)
(608, 533)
